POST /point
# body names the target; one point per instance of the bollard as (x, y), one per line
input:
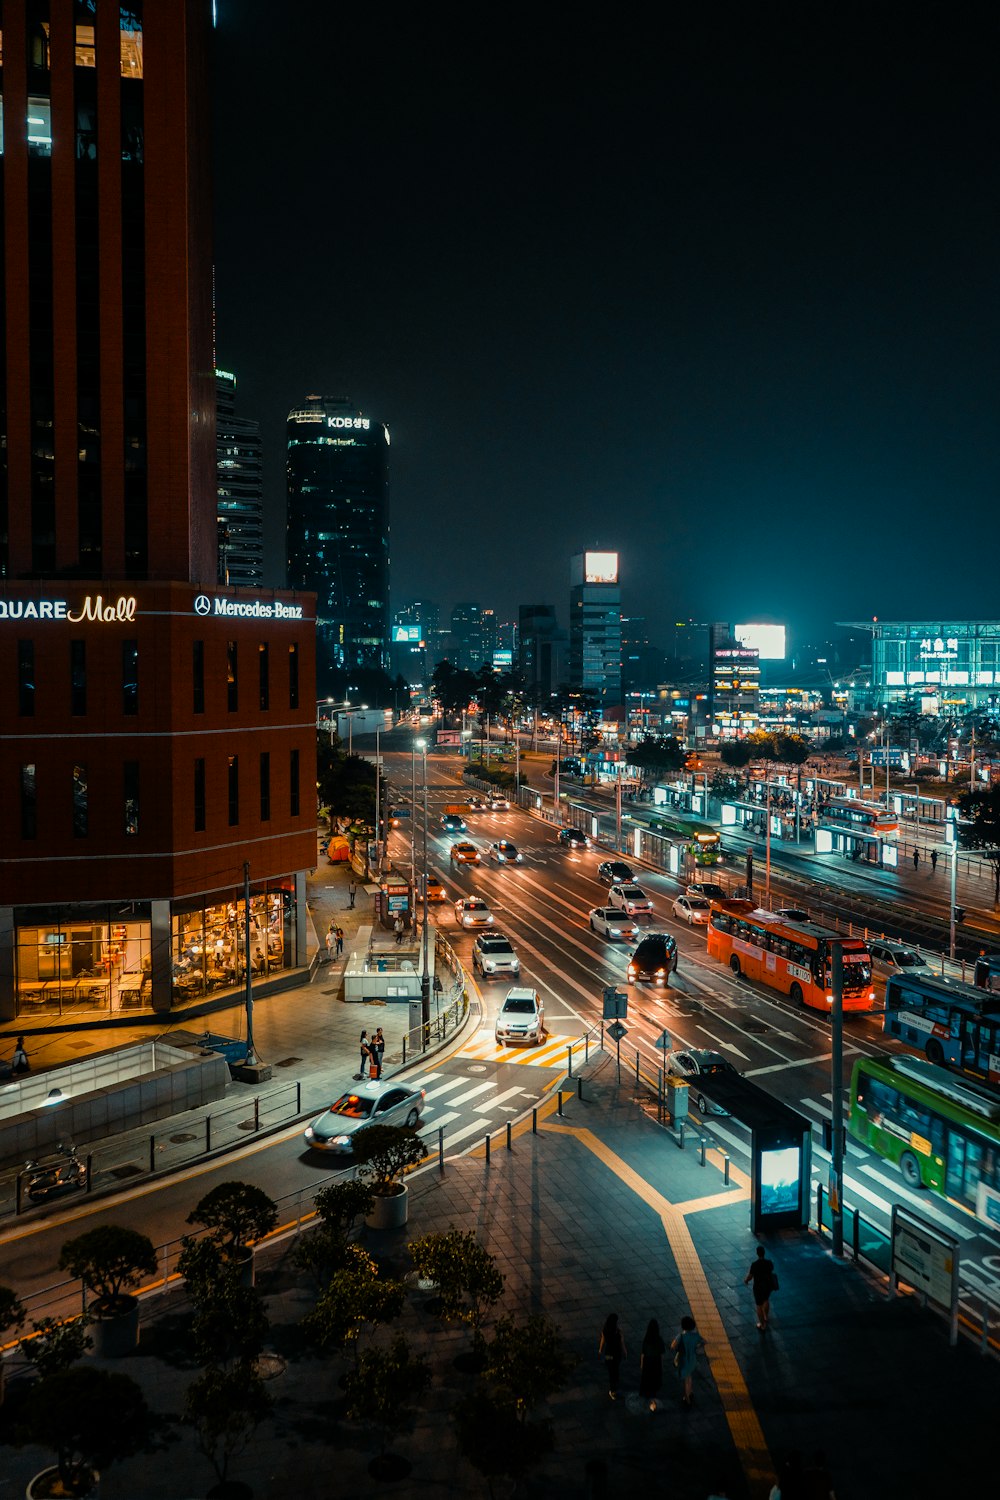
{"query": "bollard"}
(579, 1088)
(487, 1150)
(441, 1148)
(298, 1096)
(637, 1066)
(509, 1146)
(404, 1051)
(569, 1063)
(602, 1036)
(725, 1167)
(559, 1103)
(586, 1046)
(256, 1112)
(152, 1153)
(680, 1134)
(534, 1122)
(702, 1150)
(89, 1169)
(208, 1132)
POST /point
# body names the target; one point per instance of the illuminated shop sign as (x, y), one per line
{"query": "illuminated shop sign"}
(361, 423)
(246, 609)
(600, 567)
(94, 607)
(938, 649)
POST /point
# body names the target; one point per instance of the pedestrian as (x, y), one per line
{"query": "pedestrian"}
(365, 1056)
(339, 935)
(352, 890)
(612, 1346)
(651, 1364)
(916, 859)
(377, 1049)
(19, 1063)
(761, 1273)
(933, 860)
(685, 1347)
(330, 943)
(397, 928)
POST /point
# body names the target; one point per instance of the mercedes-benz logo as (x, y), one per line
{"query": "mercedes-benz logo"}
(203, 605)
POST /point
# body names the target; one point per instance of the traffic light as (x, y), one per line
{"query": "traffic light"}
(959, 914)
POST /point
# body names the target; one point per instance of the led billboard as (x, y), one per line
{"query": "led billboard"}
(600, 567)
(406, 634)
(767, 640)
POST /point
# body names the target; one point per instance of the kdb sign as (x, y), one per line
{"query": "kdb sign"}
(246, 609)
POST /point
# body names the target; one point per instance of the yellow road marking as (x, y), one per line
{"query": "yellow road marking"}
(744, 1424)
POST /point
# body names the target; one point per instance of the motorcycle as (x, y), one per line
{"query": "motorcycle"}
(62, 1174)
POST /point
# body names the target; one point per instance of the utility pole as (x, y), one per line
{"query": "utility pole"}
(951, 834)
(837, 1099)
(425, 978)
(618, 806)
(767, 865)
(251, 1056)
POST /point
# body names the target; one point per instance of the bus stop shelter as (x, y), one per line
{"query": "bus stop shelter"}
(856, 844)
(780, 1152)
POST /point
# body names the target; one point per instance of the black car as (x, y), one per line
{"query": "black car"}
(654, 960)
(574, 838)
(710, 889)
(615, 872)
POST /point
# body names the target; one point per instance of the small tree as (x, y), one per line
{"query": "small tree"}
(225, 1408)
(110, 1260)
(12, 1312)
(230, 1323)
(982, 831)
(495, 1440)
(53, 1346)
(381, 1386)
(89, 1418)
(735, 753)
(467, 1276)
(529, 1361)
(659, 754)
(355, 1299)
(385, 1152)
(342, 1204)
(235, 1213)
(325, 1248)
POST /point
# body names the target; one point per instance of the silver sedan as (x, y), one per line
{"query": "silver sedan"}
(613, 924)
(372, 1104)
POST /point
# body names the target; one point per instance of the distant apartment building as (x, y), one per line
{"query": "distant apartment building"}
(541, 648)
(240, 481)
(467, 648)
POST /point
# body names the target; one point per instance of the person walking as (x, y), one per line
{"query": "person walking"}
(352, 890)
(397, 928)
(612, 1346)
(331, 939)
(685, 1347)
(651, 1363)
(339, 935)
(761, 1273)
(365, 1056)
(916, 859)
(19, 1063)
(933, 860)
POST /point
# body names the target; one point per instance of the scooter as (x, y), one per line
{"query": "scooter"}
(47, 1179)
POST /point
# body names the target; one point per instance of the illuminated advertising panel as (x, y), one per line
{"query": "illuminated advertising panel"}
(600, 567)
(406, 634)
(767, 640)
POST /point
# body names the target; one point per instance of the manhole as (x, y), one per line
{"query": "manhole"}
(269, 1365)
(80, 1046)
(476, 1068)
(246, 1125)
(183, 1138)
(287, 1062)
(752, 1024)
(127, 1169)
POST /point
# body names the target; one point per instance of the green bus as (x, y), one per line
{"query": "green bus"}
(703, 842)
(942, 1132)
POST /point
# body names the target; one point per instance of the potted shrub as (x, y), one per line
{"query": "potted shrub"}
(225, 1408)
(11, 1319)
(111, 1260)
(356, 1298)
(89, 1418)
(384, 1153)
(528, 1361)
(235, 1214)
(467, 1278)
(325, 1248)
(378, 1391)
(230, 1323)
(53, 1346)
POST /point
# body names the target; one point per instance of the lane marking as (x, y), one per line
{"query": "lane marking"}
(729, 1046)
(799, 1062)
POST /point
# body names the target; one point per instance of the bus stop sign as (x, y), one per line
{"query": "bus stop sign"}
(615, 1004)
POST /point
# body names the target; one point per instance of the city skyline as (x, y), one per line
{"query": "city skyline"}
(728, 310)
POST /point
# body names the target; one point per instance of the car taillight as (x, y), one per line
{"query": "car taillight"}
(631, 972)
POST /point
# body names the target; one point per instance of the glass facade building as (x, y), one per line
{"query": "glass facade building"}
(595, 627)
(240, 478)
(953, 660)
(338, 531)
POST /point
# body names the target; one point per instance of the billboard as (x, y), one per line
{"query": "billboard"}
(768, 640)
(406, 633)
(600, 567)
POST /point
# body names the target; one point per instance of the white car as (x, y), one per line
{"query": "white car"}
(493, 955)
(896, 958)
(472, 911)
(521, 1018)
(371, 1104)
(506, 853)
(629, 898)
(497, 804)
(612, 923)
(694, 910)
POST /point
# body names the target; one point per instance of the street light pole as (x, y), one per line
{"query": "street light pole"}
(951, 833)
(618, 806)
(767, 865)
(837, 1099)
(378, 802)
(413, 817)
(425, 978)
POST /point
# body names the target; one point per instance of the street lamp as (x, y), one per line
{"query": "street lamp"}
(425, 978)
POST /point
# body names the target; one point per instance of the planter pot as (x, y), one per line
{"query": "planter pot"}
(115, 1334)
(389, 1210)
(48, 1486)
(242, 1259)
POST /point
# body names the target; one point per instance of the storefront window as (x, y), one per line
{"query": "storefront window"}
(209, 944)
(80, 960)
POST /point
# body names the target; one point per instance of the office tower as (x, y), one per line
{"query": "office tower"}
(541, 648)
(133, 691)
(734, 685)
(467, 652)
(642, 662)
(595, 631)
(338, 531)
(239, 465)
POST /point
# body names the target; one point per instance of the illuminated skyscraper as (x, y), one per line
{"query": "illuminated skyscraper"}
(595, 627)
(338, 530)
(239, 464)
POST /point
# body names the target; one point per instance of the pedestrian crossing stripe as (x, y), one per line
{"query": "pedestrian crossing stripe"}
(551, 1054)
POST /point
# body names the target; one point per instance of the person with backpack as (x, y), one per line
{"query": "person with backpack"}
(761, 1273)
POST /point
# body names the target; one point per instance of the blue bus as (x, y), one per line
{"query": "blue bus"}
(950, 1022)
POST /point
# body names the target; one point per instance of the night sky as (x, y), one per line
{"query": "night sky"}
(717, 289)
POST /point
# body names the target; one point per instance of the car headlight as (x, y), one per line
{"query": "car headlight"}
(309, 1133)
(631, 972)
(340, 1140)
(661, 971)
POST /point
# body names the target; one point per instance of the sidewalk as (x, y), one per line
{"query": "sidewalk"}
(598, 1212)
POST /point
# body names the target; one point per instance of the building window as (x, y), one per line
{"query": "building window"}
(130, 787)
(234, 790)
(294, 784)
(232, 677)
(29, 803)
(78, 677)
(198, 675)
(199, 795)
(130, 677)
(26, 678)
(265, 786)
(264, 676)
(293, 677)
(79, 802)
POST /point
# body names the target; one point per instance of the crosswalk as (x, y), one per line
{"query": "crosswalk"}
(443, 1092)
(482, 1047)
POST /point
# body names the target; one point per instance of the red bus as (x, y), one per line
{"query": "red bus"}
(793, 957)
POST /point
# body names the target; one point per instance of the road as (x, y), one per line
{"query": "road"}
(542, 906)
